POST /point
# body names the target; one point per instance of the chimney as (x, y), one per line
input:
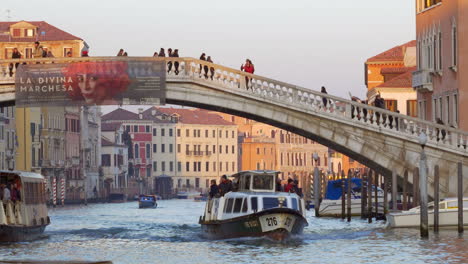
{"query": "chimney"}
(140, 113)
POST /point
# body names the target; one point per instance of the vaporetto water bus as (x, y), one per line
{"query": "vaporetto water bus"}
(253, 209)
(26, 218)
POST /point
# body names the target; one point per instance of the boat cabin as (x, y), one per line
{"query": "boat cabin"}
(27, 205)
(253, 191)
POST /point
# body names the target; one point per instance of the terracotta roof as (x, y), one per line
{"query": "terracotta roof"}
(46, 32)
(404, 80)
(400, 70)
(120, 114)
(110, 126)
(157, 117)
(106, 142)
(394, 54)
(195, 116)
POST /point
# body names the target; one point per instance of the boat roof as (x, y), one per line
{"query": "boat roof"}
(24, 175)
(255, 172)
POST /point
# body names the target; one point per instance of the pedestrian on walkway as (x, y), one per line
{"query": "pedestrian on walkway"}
(205, 68)
(324, 99)
(175, 54)
(249, 68)
(169, 63)
(15, 55)
(162, 53)
(212, 69)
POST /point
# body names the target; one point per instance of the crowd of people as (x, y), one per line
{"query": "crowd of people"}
(10, 192)
(226, 185)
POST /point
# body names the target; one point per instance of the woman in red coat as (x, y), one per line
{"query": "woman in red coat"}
(249, 68)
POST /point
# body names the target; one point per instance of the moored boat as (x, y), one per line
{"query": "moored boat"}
(117, 198)
(147, 201)
(254, 209)
(26, 218)
(448, 215)
(331, 205)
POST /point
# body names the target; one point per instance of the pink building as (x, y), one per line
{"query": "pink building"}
(441, 78)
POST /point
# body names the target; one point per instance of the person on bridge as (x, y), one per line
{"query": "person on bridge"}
(205, 68)
(15, 55)
(38, 50)
(155, 54)
(121, 52)
(324, 99)
(162, 53)
(169, 64)
(212, 69)
(380, 103)
(249, 68)
(175, 54)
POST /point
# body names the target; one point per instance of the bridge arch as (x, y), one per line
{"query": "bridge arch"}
(380, 139)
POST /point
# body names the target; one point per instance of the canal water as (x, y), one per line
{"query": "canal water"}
(123, 233)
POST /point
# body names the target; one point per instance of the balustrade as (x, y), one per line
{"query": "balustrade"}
(283, 94)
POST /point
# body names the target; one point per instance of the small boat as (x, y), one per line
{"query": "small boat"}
(448, 215)
(200, 198)
(117, 198)
(331, 205)
(254, 209)
(147, 201)
(26, 219)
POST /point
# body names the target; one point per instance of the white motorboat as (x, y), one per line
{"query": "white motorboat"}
(331, 205)
(24, 219)
(253, 209)
(448, 215)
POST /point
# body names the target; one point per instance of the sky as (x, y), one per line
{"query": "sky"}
(308, 43)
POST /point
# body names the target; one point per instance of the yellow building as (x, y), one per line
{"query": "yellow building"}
(28, 135)
(23, 34)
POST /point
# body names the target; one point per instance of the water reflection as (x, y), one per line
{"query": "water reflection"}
(170, 234)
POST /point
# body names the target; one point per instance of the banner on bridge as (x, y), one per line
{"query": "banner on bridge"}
(110, 82)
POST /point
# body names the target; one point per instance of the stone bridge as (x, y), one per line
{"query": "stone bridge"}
(382, 140)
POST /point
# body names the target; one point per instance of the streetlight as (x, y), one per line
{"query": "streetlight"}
(316, 185)
(424, 224)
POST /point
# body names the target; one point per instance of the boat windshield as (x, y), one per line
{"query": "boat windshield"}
(263, 182)
(272, 202)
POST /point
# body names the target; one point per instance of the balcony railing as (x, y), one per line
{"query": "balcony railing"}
(198, 153)
(422, 80)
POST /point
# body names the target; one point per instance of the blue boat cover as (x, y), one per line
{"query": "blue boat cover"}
(334, 188)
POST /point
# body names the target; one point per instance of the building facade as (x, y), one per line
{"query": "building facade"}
(390, 75)
(440, 79)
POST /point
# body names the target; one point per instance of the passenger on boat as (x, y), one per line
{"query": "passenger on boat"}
(15, 193)
(279, 186)
(296, 188)
(6, 194)
(225, 186)
(290, 186)
(214, 189)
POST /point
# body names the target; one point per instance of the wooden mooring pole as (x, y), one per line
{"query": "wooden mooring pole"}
(394, 191)
(348, 192)
(376, 195)
(460, 198)
(424, 224)
(416, 187)
(405, 192)
(316, 191)
(343, 200)
(369, 196)
(385, 186)
(436, 198)
(363, 195)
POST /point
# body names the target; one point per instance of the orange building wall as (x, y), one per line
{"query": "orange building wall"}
(262, 153)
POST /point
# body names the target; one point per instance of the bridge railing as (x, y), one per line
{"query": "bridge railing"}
(220, 77)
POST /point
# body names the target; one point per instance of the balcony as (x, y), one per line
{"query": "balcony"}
(422, 81)
(198, 153)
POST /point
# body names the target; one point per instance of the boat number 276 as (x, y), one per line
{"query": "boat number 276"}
(271, 221)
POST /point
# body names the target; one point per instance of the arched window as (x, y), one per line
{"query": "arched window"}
(137, 152)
